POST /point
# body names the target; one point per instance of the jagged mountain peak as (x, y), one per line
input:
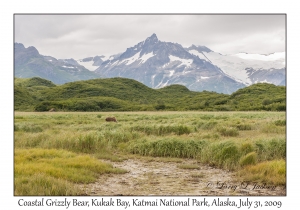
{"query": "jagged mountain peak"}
(199, 48)
(142, 48)
(19, 45)
(30, 49)
(152, 38)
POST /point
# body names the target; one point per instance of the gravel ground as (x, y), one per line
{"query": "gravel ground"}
(155, 177)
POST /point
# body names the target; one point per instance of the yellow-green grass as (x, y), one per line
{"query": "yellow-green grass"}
(55, 170)
(269, 172)
(221, 139)
(40, 184)
(188, 166)
(248, 159)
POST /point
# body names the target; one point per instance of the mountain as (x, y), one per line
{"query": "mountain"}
(157, 64)
(29, 63)
(92, 63)
(246, 68)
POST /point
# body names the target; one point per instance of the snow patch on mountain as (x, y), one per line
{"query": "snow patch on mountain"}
(128, 61)
(152, 79)
(171, 73)
(166, 83)
(199, 54)
(186, 72)
(186, 62)
(277, 57)
(270, 57)
(70, 67)
(230, 65)
(145, 57)
(115, 63)
(132, 59)
(235, 65)
(88, 65)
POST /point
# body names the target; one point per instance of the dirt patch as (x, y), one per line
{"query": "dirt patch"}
(155, 177)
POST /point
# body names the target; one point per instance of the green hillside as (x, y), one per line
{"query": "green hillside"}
(33, 82)
(260, 96)
(121, 94)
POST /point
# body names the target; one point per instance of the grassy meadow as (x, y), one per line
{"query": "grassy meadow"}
(55, 151)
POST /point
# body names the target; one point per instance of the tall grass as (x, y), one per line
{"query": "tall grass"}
(271, 149)
(227, 131)
(231, 140)
(248, 159)
(42, 185)
(167, 148)
(269, 172)
(224, 154)
(55, 171)
(221, 154)
(162, 129)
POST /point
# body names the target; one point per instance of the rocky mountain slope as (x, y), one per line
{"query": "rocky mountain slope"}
(29, 63)
(158, 64)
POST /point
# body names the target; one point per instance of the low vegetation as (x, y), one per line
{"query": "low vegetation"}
(270, 172)
(60, 150)
(53, 172)
(120, 94)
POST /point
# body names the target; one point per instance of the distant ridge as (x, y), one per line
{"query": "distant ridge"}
(121, 94)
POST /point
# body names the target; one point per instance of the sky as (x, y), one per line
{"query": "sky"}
(81, 36)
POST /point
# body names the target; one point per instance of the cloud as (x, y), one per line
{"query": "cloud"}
(79, 36)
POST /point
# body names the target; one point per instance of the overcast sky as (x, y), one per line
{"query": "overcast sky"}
(81, 36)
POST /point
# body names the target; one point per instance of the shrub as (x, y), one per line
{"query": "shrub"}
(43, 106)
(244, 127)
(281, 107)
(280, 122)
(160, 107)
(266, 102)
(16, 128)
